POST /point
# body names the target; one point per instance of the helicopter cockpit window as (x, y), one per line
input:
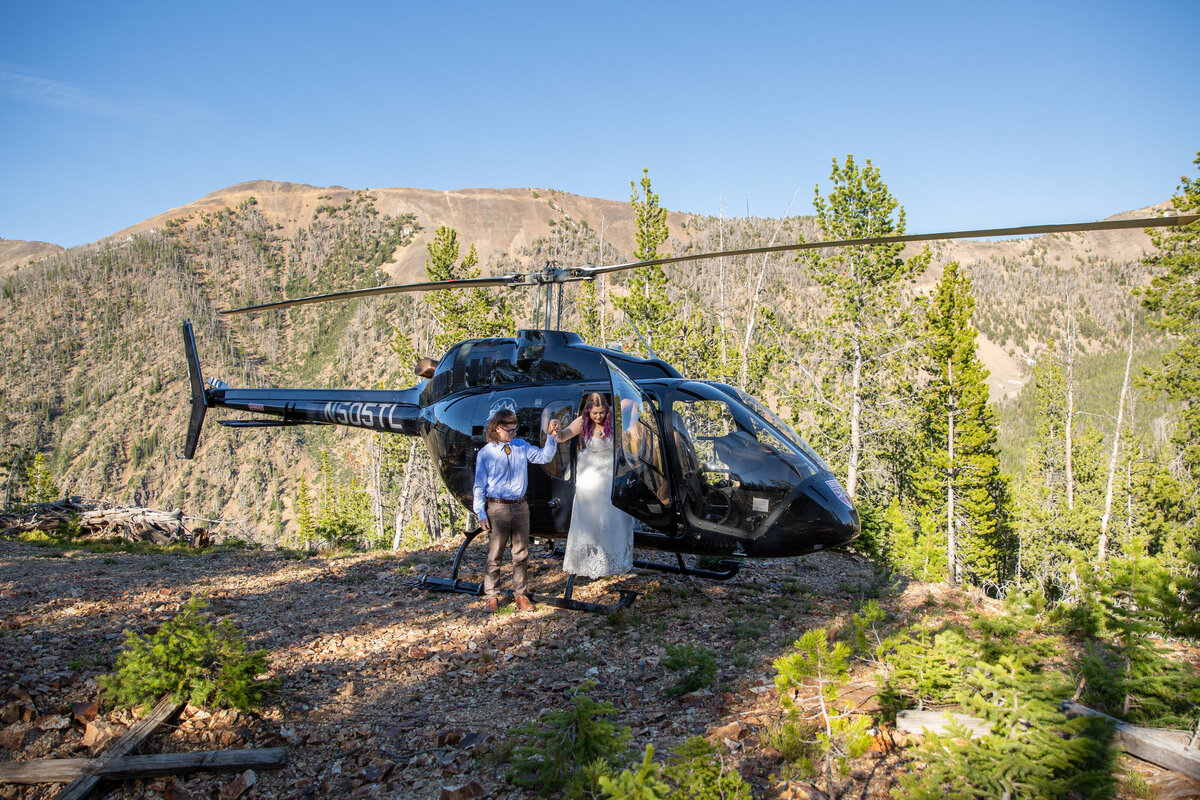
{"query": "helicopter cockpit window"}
(733, 466)
(784, 429)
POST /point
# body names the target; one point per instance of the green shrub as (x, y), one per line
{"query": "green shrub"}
(565, 752)
(695, 772)
(192, 661)
(796, 741)
(697, 666)
(641, 785)
(1033, 750)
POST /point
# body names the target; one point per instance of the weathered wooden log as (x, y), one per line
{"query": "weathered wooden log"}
(1173, 786)
(93, 518)
(163, 710)
(1166, 748)
(938, 723)
(1169, 749)
(62, 770)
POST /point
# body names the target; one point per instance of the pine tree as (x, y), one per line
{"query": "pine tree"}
(1001, 670)
(1058, 527)
(957, 478)
(648, 307)
(466, 313)
(915, 545)
(39, 487)
(557, 754)
(1044, 554)
(1175, 295)
(1032, 751)
(304, 517)
(587, 309)
(1127, 674)
(822, 669)
(862, 284)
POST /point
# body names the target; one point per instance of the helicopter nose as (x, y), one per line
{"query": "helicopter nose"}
(830, 518)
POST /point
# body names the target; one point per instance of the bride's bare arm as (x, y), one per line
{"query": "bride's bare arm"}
(572, 430)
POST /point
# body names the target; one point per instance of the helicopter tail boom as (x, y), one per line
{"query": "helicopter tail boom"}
(379, 410)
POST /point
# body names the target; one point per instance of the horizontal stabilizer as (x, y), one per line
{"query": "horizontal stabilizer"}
(264, 423)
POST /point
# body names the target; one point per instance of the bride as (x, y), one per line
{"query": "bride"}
(600, 540)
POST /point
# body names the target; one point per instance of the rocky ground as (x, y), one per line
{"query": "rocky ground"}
(389, 691)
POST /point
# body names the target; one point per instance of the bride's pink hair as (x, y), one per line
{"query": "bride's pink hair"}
(589, 428)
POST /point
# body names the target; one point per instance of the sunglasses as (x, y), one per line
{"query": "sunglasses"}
(508, 428)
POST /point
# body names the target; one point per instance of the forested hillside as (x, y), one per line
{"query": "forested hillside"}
(96, 379)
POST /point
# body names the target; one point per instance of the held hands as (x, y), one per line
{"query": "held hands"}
(552, 427)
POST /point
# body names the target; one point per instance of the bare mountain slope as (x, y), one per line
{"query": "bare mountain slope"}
(497, 221)
(15, 253)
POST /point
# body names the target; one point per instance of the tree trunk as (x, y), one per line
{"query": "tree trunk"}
(1070, 477)
(603, 289)
(721, 290)
(951, 541)
(375, 455)
(404, 494)
(751, 316)
(855, 418)
(1102, 549)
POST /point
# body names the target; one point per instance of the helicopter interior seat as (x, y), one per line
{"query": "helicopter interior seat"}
(689, 460)
(703, 499)
(744, 454)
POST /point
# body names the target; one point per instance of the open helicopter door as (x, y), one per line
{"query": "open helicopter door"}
(640, 485)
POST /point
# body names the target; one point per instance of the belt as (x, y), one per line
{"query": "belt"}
(506, 502)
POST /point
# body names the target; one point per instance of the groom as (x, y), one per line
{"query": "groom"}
(501, 475)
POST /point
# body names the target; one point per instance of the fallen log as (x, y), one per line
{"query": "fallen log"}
(82, 786)
(1169, 749)
(1166, 748)
(62, 770)
(938, 723)
(1173, 786)
(95, 518)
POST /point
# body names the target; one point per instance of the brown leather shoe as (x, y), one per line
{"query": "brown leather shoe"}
(491, 605)
(525, 604)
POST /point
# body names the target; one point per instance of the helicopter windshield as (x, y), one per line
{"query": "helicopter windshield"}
(782, 428)
(737, 471)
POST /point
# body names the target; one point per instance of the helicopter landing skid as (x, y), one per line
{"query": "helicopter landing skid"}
(436, 583)
(731, 567)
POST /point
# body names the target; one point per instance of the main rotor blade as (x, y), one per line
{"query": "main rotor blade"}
(465, 283)
(587, 273)
(1029, 230)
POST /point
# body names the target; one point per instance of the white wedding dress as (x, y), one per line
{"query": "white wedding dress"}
(600, 541)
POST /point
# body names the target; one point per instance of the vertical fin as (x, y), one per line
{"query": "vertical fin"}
(199, 402)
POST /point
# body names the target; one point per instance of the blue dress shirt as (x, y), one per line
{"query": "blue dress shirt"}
(505, 475)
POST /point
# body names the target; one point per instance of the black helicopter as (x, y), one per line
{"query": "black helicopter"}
(705, 468)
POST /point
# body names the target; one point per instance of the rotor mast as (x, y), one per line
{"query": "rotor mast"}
(547, 278)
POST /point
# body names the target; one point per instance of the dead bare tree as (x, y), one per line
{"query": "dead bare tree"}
(1102, 548)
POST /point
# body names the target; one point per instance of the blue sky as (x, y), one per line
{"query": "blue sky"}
(978, 114)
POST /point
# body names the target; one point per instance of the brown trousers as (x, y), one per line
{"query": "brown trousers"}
(508, 522)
